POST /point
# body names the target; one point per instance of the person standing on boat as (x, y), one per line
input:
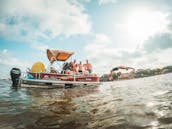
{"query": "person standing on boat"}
(80, 67)
(85, 70)
(89, 67)
(74, 65)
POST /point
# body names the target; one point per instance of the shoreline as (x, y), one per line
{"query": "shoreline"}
(135, 77)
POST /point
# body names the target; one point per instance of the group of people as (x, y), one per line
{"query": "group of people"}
(79, 67)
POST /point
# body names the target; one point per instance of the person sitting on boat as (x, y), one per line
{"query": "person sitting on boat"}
(89, 67)
(53, 70)
(69, 72)
(116, 69)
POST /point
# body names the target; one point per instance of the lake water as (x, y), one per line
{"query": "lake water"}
(144, 103)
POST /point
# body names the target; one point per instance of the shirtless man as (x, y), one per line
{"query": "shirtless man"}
(89, 67)
(80, 67)
(74, 66)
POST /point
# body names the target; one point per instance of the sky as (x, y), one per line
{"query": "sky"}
(109, 33)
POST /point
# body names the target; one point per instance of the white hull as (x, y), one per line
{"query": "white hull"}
(41, 83)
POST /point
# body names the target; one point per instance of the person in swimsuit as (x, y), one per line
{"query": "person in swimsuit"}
(74, 66)
(80, 67)
(89, 67)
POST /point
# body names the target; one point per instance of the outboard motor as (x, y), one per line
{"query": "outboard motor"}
(15, 76)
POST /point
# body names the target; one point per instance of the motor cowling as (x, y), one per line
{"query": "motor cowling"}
(15, 76)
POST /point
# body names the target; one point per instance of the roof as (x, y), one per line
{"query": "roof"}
(58, 55)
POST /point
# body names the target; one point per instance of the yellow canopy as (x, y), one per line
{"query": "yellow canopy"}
(38, 67)
(58, 55)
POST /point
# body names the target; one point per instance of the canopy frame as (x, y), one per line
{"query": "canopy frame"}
(58, 55)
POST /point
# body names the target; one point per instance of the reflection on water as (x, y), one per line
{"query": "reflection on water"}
(141, 103)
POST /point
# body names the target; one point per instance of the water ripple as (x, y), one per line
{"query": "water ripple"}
(144, 103)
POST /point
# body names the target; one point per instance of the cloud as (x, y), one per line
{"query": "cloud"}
(38, 19)
(104, 56)
(7, 60)
(39, 46)
(103, 2)
(150, 52)
(140, 24)
(158, 42)
(153, 60)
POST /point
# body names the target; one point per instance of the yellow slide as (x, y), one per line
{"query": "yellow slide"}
(38, 67)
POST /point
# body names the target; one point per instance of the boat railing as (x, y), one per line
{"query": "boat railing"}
(74, 76)
(39, 75)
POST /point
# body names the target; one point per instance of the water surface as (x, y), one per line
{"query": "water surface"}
(144, 103)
